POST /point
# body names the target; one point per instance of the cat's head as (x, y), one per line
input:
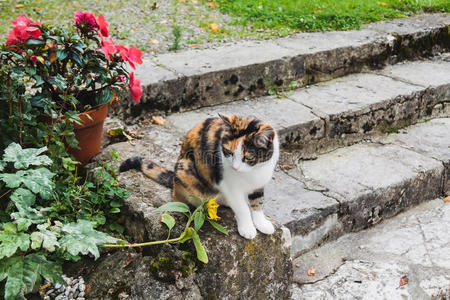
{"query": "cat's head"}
(246, 142)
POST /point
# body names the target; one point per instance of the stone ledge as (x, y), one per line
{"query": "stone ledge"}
(370, 263)
(199, 78)
(346, 110)
(370, 182)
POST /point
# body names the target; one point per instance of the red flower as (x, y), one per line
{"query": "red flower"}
(21, 20)
(22, 30)
(102, 25)
(135, 88)
(108, 47)
(134, 56)
(85, 18)
(130, 54)
(33, 59)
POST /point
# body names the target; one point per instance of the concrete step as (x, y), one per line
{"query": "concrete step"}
(356, 187)
(197, 78)
(370, 264)
(346, 110)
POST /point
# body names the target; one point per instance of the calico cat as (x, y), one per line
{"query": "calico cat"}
(232, 156)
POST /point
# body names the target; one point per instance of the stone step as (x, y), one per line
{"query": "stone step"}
(355, 187)
(346, 110)
(370, 264)
(197, 78)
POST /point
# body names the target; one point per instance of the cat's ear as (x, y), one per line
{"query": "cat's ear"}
(264, 139)
(226, 120)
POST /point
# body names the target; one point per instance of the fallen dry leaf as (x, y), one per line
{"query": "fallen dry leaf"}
(158, 120)
(446, 199)
(214, 27)
(286, 167)
(129, 260)
(316, 11)
(194, 45)
(43, 287)
(145, 122)
(383, 3)
(403, 280)
(311, 272)
(19, 5)
(37, 8)
(210, 4)
(154, 42)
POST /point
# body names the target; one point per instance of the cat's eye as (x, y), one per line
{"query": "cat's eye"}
(226, 152)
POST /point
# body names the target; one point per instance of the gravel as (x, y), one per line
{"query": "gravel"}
(73, 289)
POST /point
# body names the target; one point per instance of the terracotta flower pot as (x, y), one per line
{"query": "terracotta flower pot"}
(89, 134)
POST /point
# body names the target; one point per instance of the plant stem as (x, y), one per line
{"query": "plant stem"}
(145, 244)
(190, 219)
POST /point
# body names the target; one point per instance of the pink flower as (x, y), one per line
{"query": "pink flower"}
(85, 18)
(33, 59)
(102, 25)
(23, 30)
(122, 78)
(135, 88)
(21, 20)
(108, 47)
(134, 56)
(130, 54)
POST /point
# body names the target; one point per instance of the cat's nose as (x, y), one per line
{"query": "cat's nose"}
(235, 168)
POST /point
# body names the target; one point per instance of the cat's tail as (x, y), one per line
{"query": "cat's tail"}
(157, 173)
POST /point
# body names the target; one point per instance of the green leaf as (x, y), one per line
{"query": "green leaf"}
(11, 240)
(2, 165)
(15, 285)
(174, 206)
(199, 219)
(61, 54)
(201, 252)
(114, 210)
(48, 239)
(104, 96)
(186, 235)
(168, 220)
(38, 181)
(218, 227)
(22, 273)
(23, 158)
(36, 240)
(22, 198)
(33, 42)
(82, 238)
(38, 79)
(48, 269)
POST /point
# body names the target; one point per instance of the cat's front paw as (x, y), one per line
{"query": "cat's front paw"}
(264, 225)
(247, 231)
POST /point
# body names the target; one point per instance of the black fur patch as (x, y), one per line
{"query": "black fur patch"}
(256, 195)
(166, 179)
(217, 166)
(251, 127)
(131, 163)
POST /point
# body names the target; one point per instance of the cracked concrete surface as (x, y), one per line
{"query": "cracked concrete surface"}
(370, 263)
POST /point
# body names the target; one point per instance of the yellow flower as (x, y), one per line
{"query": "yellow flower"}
(212, 209)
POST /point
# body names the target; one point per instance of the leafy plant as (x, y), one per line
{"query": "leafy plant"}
(206, 211)
(33, 241)
(176, 31)
(70, 70)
